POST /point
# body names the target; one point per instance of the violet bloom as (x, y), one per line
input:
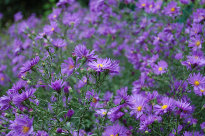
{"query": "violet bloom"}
(67, 67)
(1, 15)
(59, 43)
(167, 104)
(18, 99)
(54, 15)
(200, 91)
(199, 15)
(104, 64)
(28, 65)
(4, 103)
(69, 114)
(196, 80)
(148, 121)
(184, 106)
(121, 95)
(138, 104)
(195, 43)
(160, 68)
(115, 130)
(21, 126)
(49, 29)
(82, 52)
(18, 16)
(42, 133)
(172, 9)
(57, 85)
(71, 19)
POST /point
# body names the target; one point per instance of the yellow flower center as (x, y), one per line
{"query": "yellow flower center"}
(160, 68)
(54, 16)
(94, 100)
(196, 83)
(143, 5)
(25, 129)
(150, 6)
(198, 43)
(2, 78)
(52, 29)
(104, 113)
(139, 108)
(114, 135)
(202, 90)
(164, 107)
(172, 9)
(196, 57)
(70, 67)
(100, 65)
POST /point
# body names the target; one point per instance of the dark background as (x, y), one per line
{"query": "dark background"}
(41, 7)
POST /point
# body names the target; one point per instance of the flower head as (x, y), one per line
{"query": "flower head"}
(160, 68)
(67, 67)
(21, 126)
(196, 80)
(82, 52)
(29, 65)
(115, 130)
(57, 85)
(104, 64)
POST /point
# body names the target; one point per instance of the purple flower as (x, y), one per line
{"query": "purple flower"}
(71, 19)
(69, 114)
(184, 106)
(54, 15)
(42, 133)
(18, 99)
(172, 9)
(199, 15)
(115, 130)
(196, 80)
(200, 91)
(121, 95)
(59, 43)
(104, 64)
(21, 126)
(160, 68)
(138, 104)
(82, 52)
(4, 102)
(195, 43)
(67, 67)
(18, 16)
(49, 29)
(28, 65)
(57, 85)
(202, 125)
(167, 104)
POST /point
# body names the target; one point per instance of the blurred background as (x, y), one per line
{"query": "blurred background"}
(40, 7)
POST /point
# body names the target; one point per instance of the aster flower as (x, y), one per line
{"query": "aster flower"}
(4, 103)
(115, 130)
(199, 15)
(21, 126)
(121, 95)
(196, 80)
(59, 43)
(138, 104)
(29, 65)
(167, 104)
(18, 16)
(82, 52)
(102, 112)
(71, 19)
(160, 68)
(200, 91)
(49, 29)
(18, 99)
(184, 106)
(57, 85)
(195, 43)
(67, 67)
(148, 121)
(172, 9)
(54, 15)
(104, 64)
(41, 133)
